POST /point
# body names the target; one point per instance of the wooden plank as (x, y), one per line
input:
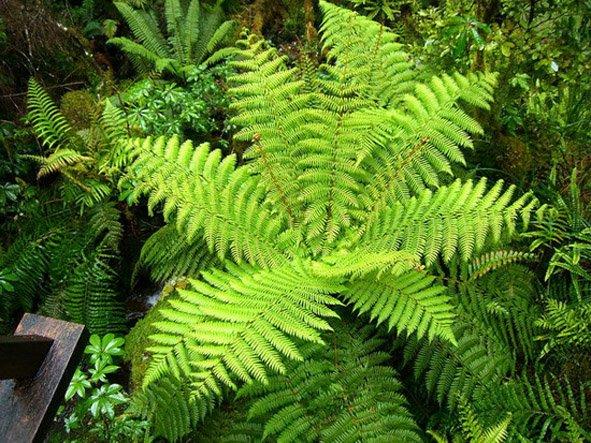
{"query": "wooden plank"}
(21, 356)
(27, 407)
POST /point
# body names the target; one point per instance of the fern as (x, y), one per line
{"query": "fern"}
(411, 300)
(476, 363)
(172, 411)
(194, 36)
(474, 430)
(544, 409)
(565, 326)
(65, 264)
(256, 315)
(461, 218)
(47, 121)
(80, 157)
(168, 256)
(217, 202)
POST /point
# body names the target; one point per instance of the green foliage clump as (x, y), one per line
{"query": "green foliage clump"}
(94, 406)
(194, 110)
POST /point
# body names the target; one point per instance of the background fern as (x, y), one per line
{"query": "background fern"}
(195, 34)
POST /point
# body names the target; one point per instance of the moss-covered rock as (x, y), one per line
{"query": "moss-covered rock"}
(138, 338)
(80, 108)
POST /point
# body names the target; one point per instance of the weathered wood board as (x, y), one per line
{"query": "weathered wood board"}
(27, 406)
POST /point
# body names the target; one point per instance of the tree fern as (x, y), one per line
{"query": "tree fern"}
(305, 224)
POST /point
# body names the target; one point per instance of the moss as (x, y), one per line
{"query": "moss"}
(138, 338)
(80, 108)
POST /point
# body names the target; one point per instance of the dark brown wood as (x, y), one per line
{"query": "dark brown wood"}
(21, 355)
(27, 407)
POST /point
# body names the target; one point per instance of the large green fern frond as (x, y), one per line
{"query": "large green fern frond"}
(459, 219)
(410, 302)
(270, 109)
(426, 135)
(210, 198)
(237, 325)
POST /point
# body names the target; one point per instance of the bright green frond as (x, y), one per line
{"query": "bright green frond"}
(48, 123)
(459, 219)
(209, 198)
(239, 325)
(384, 71)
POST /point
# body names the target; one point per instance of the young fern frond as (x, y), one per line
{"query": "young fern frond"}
(383, 69)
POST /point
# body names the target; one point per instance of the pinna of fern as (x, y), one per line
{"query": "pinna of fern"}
(340, 201)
